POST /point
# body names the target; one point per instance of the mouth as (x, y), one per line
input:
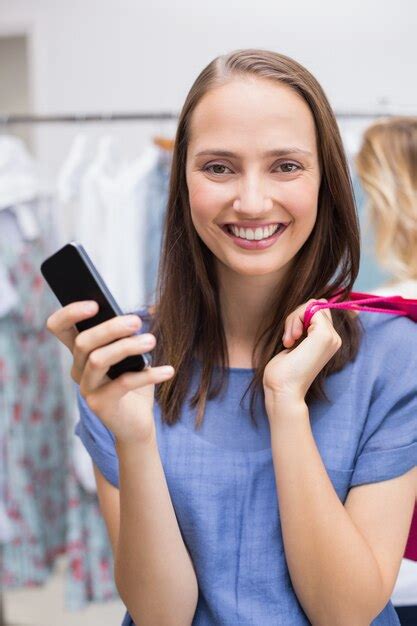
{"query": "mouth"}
(262, 233)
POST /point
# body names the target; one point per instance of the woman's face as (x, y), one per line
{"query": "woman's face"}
(248, 187)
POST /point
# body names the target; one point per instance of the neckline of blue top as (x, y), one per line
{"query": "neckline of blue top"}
(241, 370)
(244, 370)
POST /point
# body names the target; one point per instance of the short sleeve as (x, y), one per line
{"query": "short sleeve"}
(98, 440)
(388, 443)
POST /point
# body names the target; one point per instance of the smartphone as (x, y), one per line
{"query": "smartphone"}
(72, 276)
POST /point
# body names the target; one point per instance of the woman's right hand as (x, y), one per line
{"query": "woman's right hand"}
(125, 404)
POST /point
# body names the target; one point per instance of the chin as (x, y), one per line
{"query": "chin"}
(255, 270)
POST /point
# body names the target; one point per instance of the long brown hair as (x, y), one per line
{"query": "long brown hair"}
(186, 313)
(387, 167)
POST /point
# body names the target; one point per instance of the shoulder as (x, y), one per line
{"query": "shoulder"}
(386, 374)
(388, 334)
(387, 351)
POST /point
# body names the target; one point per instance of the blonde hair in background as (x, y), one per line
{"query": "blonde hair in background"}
(387, 168)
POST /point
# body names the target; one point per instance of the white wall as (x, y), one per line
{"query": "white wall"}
(14, 81)
(125, 55)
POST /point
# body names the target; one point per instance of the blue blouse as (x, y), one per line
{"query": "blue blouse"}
(221, 477)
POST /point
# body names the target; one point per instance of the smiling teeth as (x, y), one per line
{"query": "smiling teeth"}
(250, 233)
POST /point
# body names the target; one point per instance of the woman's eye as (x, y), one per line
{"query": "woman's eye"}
(208, 168)
(287, 171)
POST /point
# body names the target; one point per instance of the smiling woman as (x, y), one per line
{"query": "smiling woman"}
(257, 146)
(282, 524)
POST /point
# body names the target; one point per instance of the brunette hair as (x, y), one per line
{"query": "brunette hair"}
(387, 168)
(186, 318)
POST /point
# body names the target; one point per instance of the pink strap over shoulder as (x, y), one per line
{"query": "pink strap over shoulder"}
(394, 305)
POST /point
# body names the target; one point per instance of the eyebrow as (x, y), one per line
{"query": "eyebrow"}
(276, 152)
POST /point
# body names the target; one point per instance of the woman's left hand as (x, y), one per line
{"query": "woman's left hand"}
(289, 374)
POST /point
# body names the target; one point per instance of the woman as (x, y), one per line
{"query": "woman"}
(387, 168)
(214, 517)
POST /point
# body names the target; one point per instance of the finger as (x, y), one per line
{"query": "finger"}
(287, 331)
(288, 338)
(100, 360)
(326, 312)
(61, 323)
(297, 327)
(290, 332)
(103, 334)
(299, 314)
(114, 390)
(322, 327)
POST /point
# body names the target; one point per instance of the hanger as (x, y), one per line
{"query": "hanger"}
(164, 142)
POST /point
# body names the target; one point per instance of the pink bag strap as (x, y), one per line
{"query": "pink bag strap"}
(411, 546)
(394, 305)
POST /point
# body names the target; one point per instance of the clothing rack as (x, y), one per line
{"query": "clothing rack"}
(85, 117)
(8, 119)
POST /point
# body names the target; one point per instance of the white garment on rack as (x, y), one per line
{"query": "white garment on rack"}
(68, 186)
(91, 221)
(405, 590)
(27, 222)
(19, 179)
(113, 223)
(71, 172)
(19, 184)
(123, 265)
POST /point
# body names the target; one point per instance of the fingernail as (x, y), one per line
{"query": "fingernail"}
(147, 340)
(132, 322)
(89, 307)
(166, 371)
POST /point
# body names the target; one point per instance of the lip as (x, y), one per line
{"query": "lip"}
(253, 225)
(253, 244)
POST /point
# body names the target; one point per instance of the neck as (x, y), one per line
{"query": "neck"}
(245, 302)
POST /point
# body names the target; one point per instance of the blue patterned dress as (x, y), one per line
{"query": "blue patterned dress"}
(34, 430)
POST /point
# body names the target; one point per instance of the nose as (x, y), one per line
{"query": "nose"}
(252, 199)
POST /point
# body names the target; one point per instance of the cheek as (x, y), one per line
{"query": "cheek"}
(205, 200)
(302, 205)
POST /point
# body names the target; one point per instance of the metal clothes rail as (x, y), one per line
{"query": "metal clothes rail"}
(84, 117)
(9, 119)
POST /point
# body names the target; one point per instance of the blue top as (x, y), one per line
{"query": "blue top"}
(221, 477)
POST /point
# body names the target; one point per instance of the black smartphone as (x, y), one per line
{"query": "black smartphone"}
(72, 276)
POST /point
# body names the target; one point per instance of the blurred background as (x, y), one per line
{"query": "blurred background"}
(89, 96)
